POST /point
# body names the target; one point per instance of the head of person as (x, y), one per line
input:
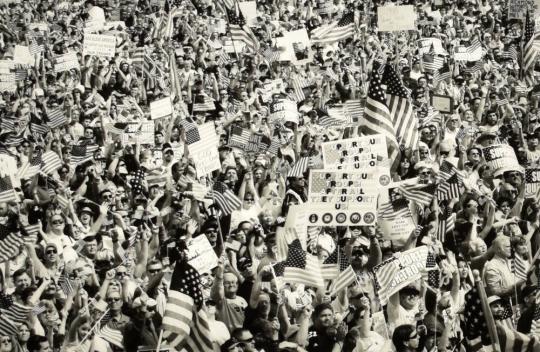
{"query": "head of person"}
(114, 301)
(22, 280)
(79, 328)
(38, 343)
(503, 247)
(50, 253)
(405, 338)
(497, 306)
(230, 285)
(409, 296)
(154, 267)
(243, 338)
(323, 316)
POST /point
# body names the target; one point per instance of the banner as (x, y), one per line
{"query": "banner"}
(204, 152)
(396, 18)
(342, 189)
(397, 272)
(99, 45)
(283, 111)
(425, 45)
(325, 214)
(501, 158)
(161, 108)
(66, 62)
(532, 181)
(201, 255)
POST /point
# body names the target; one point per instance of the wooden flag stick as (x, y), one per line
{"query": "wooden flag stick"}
(158, 346)
(492, 328)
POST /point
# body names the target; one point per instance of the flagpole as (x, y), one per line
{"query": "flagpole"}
(93, 327)
(492, 328)
(158, 346)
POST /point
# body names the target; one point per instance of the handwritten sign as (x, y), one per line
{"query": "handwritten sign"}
(201, 255)
(66, 62)
(204, 152)
(396, 18)
(517, 9)
(161, 108)
(99, 45)
(501, 158)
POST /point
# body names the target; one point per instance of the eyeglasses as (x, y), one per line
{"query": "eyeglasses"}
(52, 251)
(108, 196)
(57, 222)
(8, 340)
(249, 200)
(121, 273)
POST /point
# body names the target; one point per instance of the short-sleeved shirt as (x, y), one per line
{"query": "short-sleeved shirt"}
(232, 312)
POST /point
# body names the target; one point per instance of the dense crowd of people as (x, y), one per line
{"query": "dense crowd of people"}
(200, 126)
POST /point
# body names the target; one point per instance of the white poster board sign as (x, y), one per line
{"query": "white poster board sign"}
(99, 45)
(396, 18)
(201, 255)
(161, 108)
(66, 62)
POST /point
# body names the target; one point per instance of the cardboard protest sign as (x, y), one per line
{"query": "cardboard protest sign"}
(501, 158)
(7, 76)
(397, 229)
(396, 18)
(342, 196)
(66, 62)
(283, 110)
(295, 46)
(22, 56)
(201, 255)
(397, 272)
(161, 108)
(517, 9)
(249, 10)
(204, 152)
(442, 103)
(99, 45)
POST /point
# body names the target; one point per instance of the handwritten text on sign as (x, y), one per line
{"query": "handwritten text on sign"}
(99, 45)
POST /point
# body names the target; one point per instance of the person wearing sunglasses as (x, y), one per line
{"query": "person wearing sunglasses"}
(404, 306)
(405, 338)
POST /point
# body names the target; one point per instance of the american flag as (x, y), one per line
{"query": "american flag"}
(446, 222)
(240, 30)
(420, 193)
(7, 193)
(182, 320)
(432, 62)
(239, 137)
(300, 267)
(354, 109)
(449, 189)
(37, 43)
(8, 327)
(338, 264)
(39, 128)
(57, 118)
(535, 326)
(377, 118)
(520, 267)
(384, 275)
(203, 103)
(531, 43)
(50, 162)
(474, 46)
(512, 340)
(82, 153)
(401, 109)
(476, 331)
(39, 308)
(441, 75)
(343, 29)
(271, 54)
(225, 198)
(192, 135)
(66, 285)
(284, 236)
(511, 53)
(223, 58)
(274, 146)
(298, 84)
(391, 211)
(10, 242)
(31, 167)
(300, 167)
(472, 67)
(112, 335)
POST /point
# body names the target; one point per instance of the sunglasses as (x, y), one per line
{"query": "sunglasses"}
(51, 252)
(114, 299)
(153, 271)
(57, 222)
(121, 273)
